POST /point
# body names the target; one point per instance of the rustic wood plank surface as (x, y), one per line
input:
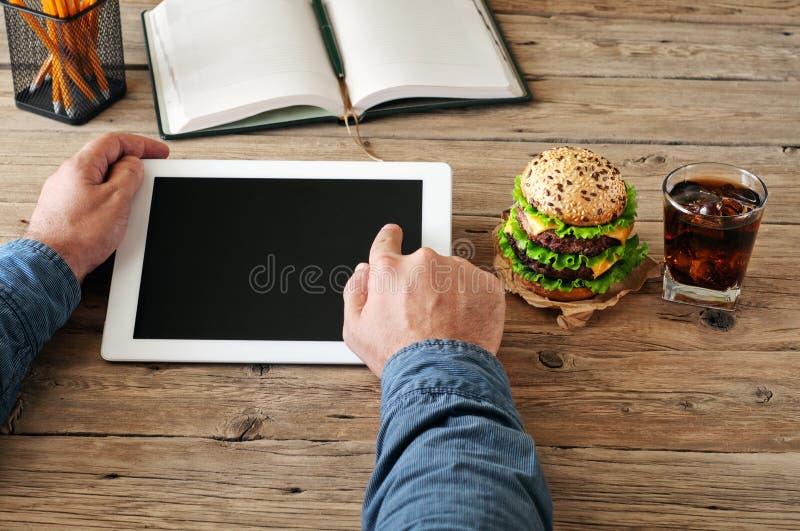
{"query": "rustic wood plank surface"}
(206, 484)
(567, 109)
(612, 47)
(717, 12)
(653, 416)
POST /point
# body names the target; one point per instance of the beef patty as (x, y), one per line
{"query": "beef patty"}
(549, 271)
(566, 244)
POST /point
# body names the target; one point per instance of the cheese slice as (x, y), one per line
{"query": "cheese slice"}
(508, 227)
(602, 267)
(621, 234)
(536, 227)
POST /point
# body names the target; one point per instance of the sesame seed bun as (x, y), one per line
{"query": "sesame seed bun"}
(574, 185)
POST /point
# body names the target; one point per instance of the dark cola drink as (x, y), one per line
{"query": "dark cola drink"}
(710, 245)
(710, 227)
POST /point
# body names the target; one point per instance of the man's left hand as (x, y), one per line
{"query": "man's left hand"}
(83, 209)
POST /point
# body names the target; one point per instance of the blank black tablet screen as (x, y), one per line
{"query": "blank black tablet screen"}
(262, 259)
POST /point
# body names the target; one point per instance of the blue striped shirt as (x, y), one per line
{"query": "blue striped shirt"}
(451, 452)
(38, 292)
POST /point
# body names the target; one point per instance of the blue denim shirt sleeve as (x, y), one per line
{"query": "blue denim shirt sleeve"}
(452, 452)
(38, 292)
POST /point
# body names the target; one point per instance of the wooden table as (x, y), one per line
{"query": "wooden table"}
(653, 416)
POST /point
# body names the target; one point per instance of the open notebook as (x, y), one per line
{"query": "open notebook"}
(231, 65)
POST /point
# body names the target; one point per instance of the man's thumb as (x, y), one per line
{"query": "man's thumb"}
(355, 292)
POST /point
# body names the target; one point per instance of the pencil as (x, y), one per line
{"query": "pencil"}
(66, 45)
(78, 31)
(57, 99)
(72, 70)
(62, 94)
(92, 31)
(87, 35)
(42, 75)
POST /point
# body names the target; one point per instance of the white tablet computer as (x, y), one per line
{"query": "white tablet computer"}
(246, 261)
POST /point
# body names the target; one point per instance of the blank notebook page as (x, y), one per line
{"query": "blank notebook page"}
(416, 43)
(225, 54)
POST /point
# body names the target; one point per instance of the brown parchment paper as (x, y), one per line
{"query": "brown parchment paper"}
(575, 314)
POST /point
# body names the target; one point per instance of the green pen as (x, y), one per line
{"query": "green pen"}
(329, 37)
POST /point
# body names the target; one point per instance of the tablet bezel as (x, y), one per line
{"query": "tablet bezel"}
(118, 343)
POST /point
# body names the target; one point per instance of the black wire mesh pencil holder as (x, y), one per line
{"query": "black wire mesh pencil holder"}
(68, 68)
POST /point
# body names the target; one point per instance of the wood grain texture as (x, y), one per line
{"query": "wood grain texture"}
(565, 109)
(613, 489)
(615, 397)
(709, 13)
(110, 482)
(578, 46)
(629, 39)
(113, 482)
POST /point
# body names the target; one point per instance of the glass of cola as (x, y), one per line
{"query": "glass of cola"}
(711, 217)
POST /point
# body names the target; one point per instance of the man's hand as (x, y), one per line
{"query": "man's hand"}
(83, 209)
(397, 300)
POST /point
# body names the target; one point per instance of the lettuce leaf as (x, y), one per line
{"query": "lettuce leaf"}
(632, 257)
(562, 229)
(557, 260)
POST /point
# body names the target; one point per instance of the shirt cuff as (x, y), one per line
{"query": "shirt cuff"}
(39, 264)
(445, 366)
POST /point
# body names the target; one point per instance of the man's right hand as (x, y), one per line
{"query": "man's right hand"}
(83, 209)
(398, 300)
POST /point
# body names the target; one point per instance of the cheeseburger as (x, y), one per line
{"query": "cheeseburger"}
(568, 234)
